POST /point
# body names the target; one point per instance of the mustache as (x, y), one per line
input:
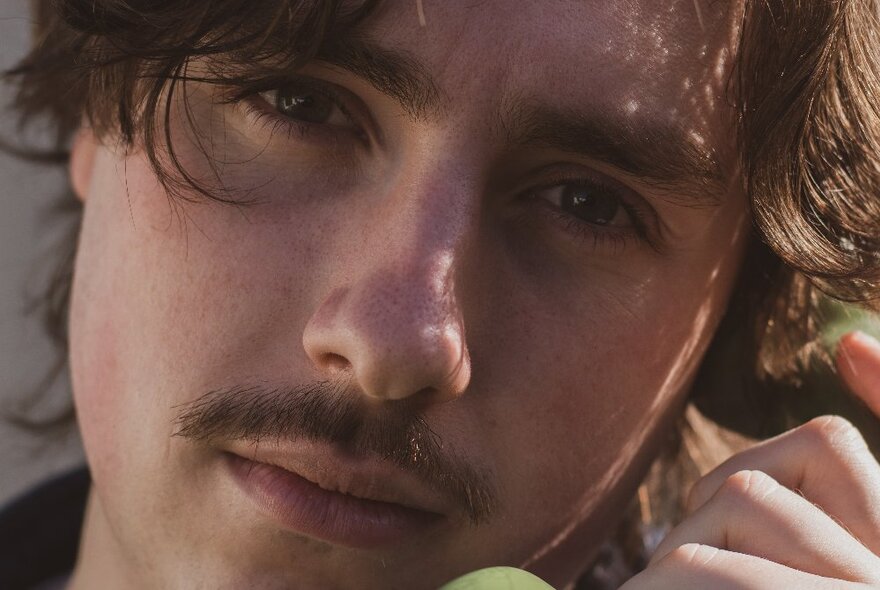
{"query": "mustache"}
(328, 412)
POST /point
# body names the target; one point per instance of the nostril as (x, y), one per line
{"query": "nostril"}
(335, 363)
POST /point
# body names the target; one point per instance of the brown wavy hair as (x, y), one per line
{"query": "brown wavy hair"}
(804, 88)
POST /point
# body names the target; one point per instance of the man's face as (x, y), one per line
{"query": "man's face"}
(479, 290)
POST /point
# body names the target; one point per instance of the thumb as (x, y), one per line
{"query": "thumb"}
(858, 362)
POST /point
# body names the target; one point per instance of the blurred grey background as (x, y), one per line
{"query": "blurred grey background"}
(26, 236)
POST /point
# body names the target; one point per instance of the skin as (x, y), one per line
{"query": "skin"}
(801, 510)
(428, 267)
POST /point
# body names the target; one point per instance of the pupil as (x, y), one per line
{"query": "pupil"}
(590, 205)
(304, 106)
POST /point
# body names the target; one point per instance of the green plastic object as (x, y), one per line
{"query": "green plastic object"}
(498, 578)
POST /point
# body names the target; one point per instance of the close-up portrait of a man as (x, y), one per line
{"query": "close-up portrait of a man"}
(379, 294)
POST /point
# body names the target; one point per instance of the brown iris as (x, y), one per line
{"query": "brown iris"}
(589, 204)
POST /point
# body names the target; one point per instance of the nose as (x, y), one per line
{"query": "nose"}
(397, 329)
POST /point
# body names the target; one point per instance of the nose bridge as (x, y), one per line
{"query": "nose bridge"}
(425, 230)
(438, 202)
(398, 324)
(439, 198)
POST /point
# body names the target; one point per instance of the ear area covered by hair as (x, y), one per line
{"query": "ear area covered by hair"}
(82, 161)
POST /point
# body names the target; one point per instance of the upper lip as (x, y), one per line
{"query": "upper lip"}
(369, 478)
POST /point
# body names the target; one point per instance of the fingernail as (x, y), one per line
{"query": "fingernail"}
(865, 339)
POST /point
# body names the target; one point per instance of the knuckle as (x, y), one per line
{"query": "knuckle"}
(747, 487)
(690, 555)
(833, 434)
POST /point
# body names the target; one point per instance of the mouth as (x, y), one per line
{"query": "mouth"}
(359, 505)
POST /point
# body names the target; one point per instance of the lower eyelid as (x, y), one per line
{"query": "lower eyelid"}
(610, 238)
(615, 241)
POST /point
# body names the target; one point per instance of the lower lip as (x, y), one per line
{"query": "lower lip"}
(341, 519)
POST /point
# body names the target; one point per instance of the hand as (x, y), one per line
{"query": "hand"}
(799, 511)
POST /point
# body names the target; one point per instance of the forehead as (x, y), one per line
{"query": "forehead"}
(637, 67)
(623, 55)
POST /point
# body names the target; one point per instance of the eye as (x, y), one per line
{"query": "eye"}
(307, 103)
(589, 202)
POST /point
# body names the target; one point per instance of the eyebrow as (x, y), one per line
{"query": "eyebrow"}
(662, 154)
(394, 73)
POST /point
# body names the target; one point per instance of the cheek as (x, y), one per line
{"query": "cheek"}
(584, 401)
(118, 304)
(586, 393)
(168, 302)
(98, 384)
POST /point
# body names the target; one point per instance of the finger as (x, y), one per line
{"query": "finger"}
(827, 460)
(858, 362)
(752, 513)
(697, 567)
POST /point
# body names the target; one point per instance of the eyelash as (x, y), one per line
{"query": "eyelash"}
(263, 113)
(598, 237)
